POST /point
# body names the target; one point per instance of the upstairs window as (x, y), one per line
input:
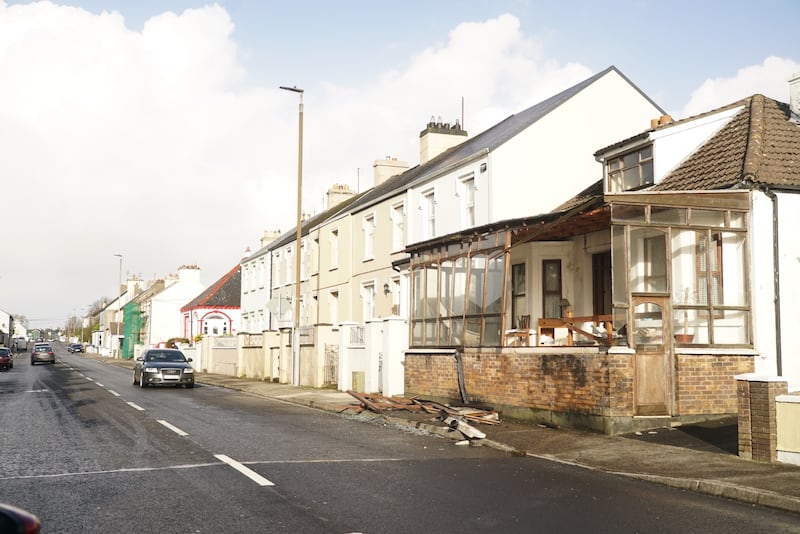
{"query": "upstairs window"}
(429, 211)
(398, 226)
(630, 171)
(467, 193)
(369, 236)
(334, 242)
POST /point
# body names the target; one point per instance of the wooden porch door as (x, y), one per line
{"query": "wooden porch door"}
(653, 377)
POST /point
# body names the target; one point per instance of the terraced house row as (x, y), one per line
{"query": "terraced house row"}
(587, 261)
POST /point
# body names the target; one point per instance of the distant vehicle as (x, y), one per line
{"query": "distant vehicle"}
(42, 352)
(6, 359)
(75, 347)
(22, 344)
(163, 367)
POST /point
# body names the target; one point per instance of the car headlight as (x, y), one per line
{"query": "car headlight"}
(188, 371)
(150, 370)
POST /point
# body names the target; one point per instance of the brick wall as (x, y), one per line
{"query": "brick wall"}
(584, 387)
(594, 383)
(758, 426)
(706, 384)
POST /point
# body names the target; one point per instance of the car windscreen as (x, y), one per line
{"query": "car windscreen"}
(165, 357)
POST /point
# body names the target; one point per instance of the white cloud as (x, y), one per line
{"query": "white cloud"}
(153, 144)
(770, 78)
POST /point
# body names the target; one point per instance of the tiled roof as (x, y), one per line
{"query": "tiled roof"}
(590, 193)
(224, 293)
(759, 145)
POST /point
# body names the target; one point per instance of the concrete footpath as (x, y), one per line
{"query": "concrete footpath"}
(698, 458)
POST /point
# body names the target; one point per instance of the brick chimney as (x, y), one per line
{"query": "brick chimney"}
(437, 137)
(794, 97)
(384, 169)
(338, 193)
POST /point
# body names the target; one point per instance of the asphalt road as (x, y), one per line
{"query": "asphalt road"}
(88, 452)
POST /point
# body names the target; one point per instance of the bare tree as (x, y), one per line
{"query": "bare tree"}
(21, 319)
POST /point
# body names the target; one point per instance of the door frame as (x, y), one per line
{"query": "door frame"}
(662, 361)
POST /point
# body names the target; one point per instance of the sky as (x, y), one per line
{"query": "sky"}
(155, 130)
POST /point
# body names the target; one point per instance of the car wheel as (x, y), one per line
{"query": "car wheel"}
(134, 379)
(142, 383)
(190, 386)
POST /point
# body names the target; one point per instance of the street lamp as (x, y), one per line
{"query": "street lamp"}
(119, 297)
(296, 333)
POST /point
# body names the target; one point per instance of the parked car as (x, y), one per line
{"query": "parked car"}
(163, 367)
(6, 359)
(42, 352)
(75, 347)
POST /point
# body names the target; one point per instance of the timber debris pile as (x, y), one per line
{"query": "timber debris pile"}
(457, 418)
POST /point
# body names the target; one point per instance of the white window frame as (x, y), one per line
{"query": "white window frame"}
(466, 190)
(333, 306)
(428, 205)
(334, 255)
(368, 300)
(368, 227)
(398, 216)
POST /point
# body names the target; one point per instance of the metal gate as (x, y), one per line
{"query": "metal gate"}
(331, 370)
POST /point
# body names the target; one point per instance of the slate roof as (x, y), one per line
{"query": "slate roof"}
(224, 293)
(156, 288)
(759, 146)
(484, 142)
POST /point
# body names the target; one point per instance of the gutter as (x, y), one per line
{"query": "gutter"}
(776, 279)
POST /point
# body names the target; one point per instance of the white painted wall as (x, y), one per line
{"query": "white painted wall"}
(165, 311)
(762, 280)
(674, 144)
(543, 166)
(553, 159)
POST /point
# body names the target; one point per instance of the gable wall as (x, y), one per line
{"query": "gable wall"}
(554, 158)
(762, 276)
(673, 145)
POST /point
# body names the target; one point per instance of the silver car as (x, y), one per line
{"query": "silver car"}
(42, 353)
(163, 367)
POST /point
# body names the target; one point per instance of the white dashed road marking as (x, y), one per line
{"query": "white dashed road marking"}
(249, 473)
(173, 428)
(113, 392)
(136, 406)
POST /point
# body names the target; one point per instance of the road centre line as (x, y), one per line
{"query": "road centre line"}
(173, 428)
(249, 473)
(89, 379)
(99, 384)
(109, 471)
(113, 392)
(134, 405)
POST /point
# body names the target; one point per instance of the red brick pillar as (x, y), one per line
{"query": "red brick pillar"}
(758, 428)
(745, 428)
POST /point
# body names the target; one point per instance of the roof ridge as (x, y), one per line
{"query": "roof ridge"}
(755, 138)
